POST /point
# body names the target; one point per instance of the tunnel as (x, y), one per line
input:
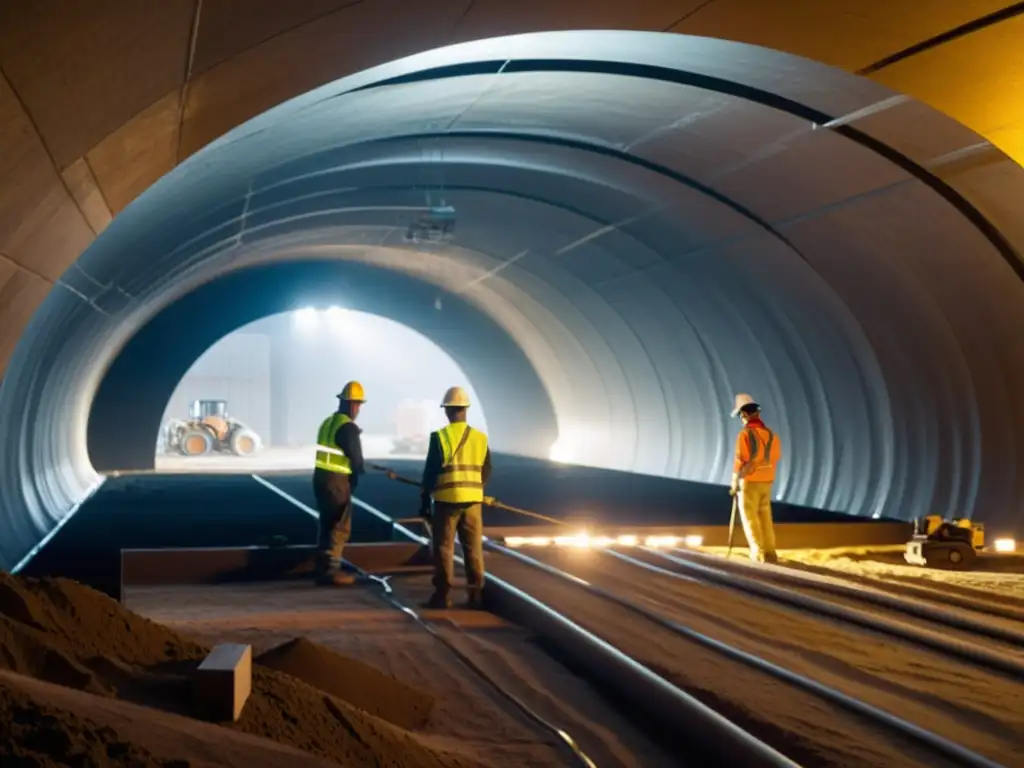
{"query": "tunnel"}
(645, 224)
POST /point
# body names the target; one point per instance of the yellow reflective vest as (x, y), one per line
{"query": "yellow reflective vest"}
(329, 455)
(463, 450)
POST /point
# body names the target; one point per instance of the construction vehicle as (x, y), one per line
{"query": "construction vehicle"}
(208, 429)
(946, 544)
(412, 423)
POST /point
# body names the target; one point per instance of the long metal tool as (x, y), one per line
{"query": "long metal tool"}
(489, 501)
(732, 525)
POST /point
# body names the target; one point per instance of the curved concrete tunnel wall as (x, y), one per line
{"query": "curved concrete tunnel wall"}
(131, 400)
(677, 261)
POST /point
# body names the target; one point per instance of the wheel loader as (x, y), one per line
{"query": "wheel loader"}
(947, 544)
(209, 429)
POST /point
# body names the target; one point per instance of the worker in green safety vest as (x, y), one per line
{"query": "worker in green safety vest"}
(457, 469)
(339, 463)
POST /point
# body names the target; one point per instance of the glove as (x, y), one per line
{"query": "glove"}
(489, 501)
(392, 475)
(734, 486)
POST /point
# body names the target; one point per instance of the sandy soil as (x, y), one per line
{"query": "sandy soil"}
(468, 716)
(79, 726)
(997, 578)
(974, 707)
(124, 676)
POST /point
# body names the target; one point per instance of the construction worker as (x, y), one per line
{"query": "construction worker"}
(339, 463)
(758, 451)
(457, 469)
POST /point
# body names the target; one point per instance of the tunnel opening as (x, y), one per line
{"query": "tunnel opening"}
(294, 306)
(631, 247)
(254, 400)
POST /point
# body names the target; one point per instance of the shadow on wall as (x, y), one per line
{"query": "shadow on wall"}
(126, 413)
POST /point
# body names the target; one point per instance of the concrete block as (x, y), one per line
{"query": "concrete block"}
(223, 682)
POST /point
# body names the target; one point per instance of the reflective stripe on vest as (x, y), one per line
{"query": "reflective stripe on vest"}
(463, 451)
(329, 455)
(755, 443)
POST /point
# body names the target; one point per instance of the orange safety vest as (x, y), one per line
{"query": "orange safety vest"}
(758, 451)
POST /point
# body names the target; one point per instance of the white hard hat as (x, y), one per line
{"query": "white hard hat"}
(742, 399)
(455, 397)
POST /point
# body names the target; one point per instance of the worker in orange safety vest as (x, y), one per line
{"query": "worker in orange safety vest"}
(758, 451)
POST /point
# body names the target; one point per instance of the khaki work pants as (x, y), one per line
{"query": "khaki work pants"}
(333, 493)
(755, 502)
(468, 521)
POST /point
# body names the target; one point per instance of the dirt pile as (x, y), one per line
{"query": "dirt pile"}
(65, 633)
(61, 632)
(351, 680)
(44, 725)
(40, 734)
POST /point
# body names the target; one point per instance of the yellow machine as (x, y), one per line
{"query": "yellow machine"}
(947, 544)
(209, 429)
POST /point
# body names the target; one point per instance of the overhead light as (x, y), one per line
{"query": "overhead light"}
(335, 317)
(693, 540)
(1005, 545)
(305, 318)
(627, 541)
(560, 451)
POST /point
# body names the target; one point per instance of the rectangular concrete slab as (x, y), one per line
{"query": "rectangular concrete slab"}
(223, 682)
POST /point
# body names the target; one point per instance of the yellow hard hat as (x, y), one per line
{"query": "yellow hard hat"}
(353, 391)
(742, 400)
(455, 397)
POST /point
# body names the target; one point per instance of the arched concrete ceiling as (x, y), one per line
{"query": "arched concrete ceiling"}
(98, 100)
(656, 221)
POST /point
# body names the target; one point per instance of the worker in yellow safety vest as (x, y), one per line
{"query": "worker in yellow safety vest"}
(339, 463)
(457, 469)
(758, 451)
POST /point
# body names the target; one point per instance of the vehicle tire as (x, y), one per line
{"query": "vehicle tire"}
(195, 442)
(245, 442)
(961, 557)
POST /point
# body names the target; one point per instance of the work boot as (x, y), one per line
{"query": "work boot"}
(335, 579)
(438, 602)
(771, 557)
(475, 599)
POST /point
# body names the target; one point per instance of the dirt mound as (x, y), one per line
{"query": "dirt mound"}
(352, 681)
(46, 725)
(65, 633)
(37, 733)
(28, 651)
(292, 712)
(90, 622)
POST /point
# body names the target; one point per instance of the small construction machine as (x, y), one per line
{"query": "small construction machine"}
(947, 544)
(412, 425)
(209, 429)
